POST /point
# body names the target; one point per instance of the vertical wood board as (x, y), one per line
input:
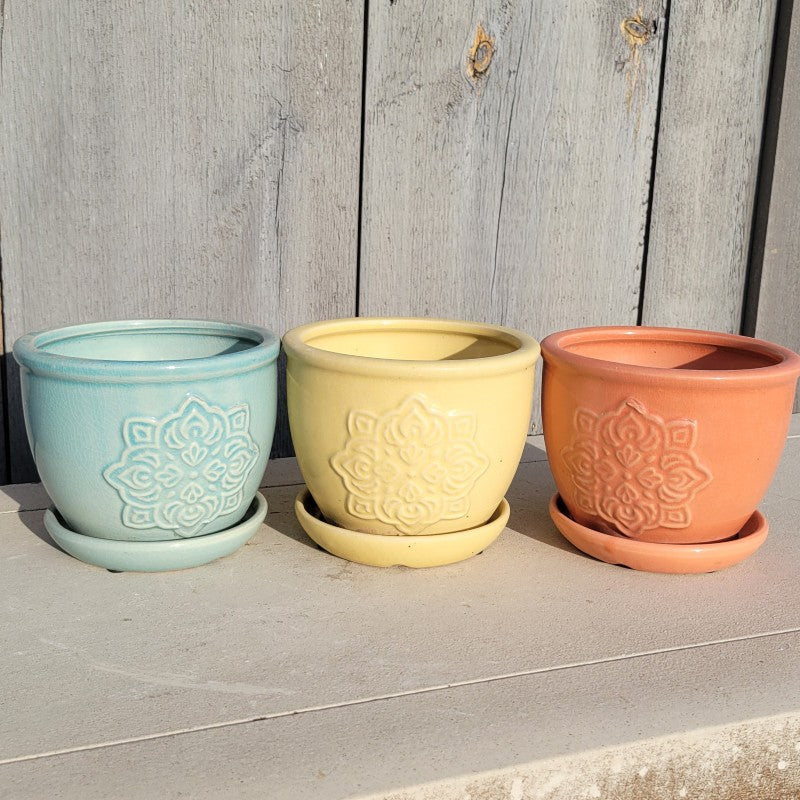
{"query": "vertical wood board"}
(507, 160)
(778, 251)
(709, 140)
(178, 159)
(3, 443)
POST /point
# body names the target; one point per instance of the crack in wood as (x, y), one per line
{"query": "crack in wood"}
(2, 29)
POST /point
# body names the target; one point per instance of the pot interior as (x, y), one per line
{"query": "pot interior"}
(668, 354)
(411, 345)
(147, 345)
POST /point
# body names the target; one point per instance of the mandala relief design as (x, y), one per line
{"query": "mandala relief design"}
(410, 467)
(183, 471)
(633, 469)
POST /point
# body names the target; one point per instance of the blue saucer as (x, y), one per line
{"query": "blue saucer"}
(156, 556)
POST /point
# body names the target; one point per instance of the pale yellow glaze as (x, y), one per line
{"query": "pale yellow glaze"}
(408, 427)
(407, 551)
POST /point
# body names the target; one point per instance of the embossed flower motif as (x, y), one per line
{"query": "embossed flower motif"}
(633, 469)
(183, 471)
(410, 467)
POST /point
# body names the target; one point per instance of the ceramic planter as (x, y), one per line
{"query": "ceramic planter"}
(660, 436)
(151, 437)
(408, 433)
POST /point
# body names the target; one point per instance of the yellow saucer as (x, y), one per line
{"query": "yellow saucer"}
(377, 550)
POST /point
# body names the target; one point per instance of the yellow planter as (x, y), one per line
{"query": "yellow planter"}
(408, 427)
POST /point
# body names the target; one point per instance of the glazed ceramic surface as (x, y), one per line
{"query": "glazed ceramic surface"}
(132, 556)
(658, 556)
(408, 426)
(150, 430)
(664, 435)
(408, 551)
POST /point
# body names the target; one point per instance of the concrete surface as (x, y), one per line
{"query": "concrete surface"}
(530, 671)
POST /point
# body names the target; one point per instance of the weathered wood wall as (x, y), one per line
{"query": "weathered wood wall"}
(516, 193)
(709, 142)
(177, 159)
(773, 309)
(542, 165)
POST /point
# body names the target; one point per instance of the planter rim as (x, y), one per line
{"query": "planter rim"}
(525, 354)
(555, 349)
(29, 352)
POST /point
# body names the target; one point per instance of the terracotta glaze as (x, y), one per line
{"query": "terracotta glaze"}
(662, 434)
(659, 557)
(408, 427)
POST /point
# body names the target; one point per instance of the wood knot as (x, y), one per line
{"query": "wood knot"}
(480, 54)
(635, 30)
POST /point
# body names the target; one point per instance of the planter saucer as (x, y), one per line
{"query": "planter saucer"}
(656, 557)
(378, 550)
(123, 556)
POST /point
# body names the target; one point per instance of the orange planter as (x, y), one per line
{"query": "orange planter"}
(664, 435)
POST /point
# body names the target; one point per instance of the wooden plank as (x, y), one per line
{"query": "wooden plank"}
(715, 83)
(775, 293)
(178, 159)
(507, 160)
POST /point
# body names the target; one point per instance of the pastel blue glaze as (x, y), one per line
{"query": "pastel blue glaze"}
(150, 430)
(157, 556)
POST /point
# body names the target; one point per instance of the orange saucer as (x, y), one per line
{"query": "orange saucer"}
(654, 557)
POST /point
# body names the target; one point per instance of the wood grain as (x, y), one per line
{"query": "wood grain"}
(507, 161)
(178, 159)
(715, 84)
(776, 251)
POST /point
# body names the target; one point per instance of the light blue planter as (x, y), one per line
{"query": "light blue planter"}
(152, 430)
